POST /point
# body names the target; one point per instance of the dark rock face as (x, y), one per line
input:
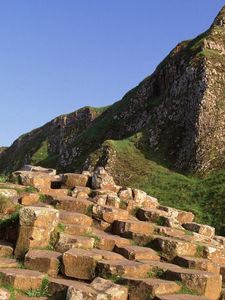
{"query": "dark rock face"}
(179, 112)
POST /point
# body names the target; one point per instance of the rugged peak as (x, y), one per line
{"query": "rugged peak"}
(220, 18)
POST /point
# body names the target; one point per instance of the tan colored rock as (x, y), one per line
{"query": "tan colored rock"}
(84, 292)
(107, 241)
(74, 218)
(74, 229)
(151, 214)
(125, 194)
(115, 291)
(174, 247)
(109, 214)
(67, 242)
(6, 249)
(72, 204)
(197, 263)
(29, 199)
(8, 263)
(81, 192)
(137, 253)
(139, 196)
(113, 200)
(150, 202)
(140, 289)
(36, 226)
(80, 264)
(204, 283)
(21, 278)
(128, 227)
(73, 180)
(181, 215)
(213, 253)
(200, 228)
(38, 169)
(170, 232)
(44, 261)
(121, 268)
(108, 255)
(102, 180)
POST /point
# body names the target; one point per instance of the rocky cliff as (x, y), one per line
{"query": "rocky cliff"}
(177, 116)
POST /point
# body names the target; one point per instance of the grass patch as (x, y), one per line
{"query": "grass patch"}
(42, 292)
(185, 290)
(3, 178)
(95, 237)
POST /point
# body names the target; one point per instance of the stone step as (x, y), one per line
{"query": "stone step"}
(108, 213)
(126, 228)
(106, 241)
(140, 289)
(67, 241)
(71, 204)
(204, 283)
(6, 249)
(115, 291)
(72, 180)
(74, 229)
(206, 230)
(8, 263)
(21, 278)
(44, 261)
(197, 263)
(151, 214)
(181, 215)
(171, 232)
(180, 297)
(158, 268)
(80, 264)
(171, 247)
(137, 253)
(74, 218)
(123, 267)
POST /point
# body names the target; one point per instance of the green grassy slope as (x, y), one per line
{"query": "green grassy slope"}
(203, 196)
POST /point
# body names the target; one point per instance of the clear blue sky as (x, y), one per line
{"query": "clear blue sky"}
(59, 55)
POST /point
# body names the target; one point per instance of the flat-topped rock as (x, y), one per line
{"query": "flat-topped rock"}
(133, 252)
(108, 255)
(181, 215)
(155, 266)
(129, 227)
(200, 228)
(74, 218)
(36, 226)
(140, 289)
(80, 264)
(21, 278)
(67, 241)
(72, 180)
(29, 199)
(115, 291)
(122, 268)
(44, 261)
(71, 204)
(74, 229)
(173, 247)
(108, 213)
(151, 214)
(8, 263)
(84, 292)
(6, 249)
(204, 283)
(107, 241)
(197, 263)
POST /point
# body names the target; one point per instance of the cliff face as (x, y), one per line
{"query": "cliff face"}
(178, 113)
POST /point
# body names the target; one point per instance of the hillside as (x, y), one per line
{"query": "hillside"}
(161, 136)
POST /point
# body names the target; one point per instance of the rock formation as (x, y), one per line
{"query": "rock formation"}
(88, 238)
